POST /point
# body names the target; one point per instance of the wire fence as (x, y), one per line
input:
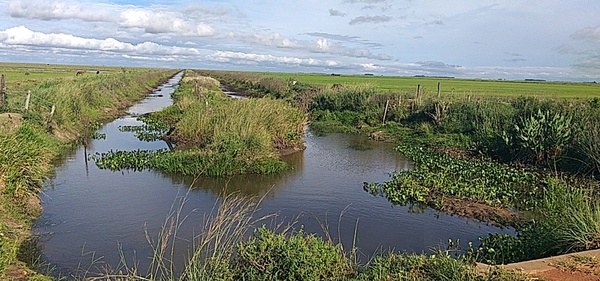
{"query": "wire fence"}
(31, 103)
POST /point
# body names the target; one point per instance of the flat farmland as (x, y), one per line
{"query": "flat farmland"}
(456, 86)
(21, 77)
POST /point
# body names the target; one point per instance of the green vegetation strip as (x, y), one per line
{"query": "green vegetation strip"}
(214, 135)
(453, 87)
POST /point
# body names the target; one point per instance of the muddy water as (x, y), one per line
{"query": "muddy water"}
(93, 216)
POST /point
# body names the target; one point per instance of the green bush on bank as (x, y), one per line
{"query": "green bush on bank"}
(25, 159)
(271, 256)
(568, 220)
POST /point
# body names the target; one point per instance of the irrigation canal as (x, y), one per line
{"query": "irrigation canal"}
(91, 217)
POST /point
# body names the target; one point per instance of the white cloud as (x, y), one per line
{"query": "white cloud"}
(54, 10)
(154, 19)
(272, 39)
(336, 13)
(370, 19)
(22, 36)
(588, 33)
(323, 44)
(162, 22)
(241, 58)
(371, 67)
(364, 1)
(320, 45)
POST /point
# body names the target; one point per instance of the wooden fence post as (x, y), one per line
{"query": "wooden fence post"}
(27, 100)
(387, 103)
(419, 94)
(52, 113)
(2, 90)
(439, 89)
(49, 123)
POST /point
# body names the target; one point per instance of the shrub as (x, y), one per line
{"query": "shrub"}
(544, 135)
(440, 266)
(568, 220)
(271, 256)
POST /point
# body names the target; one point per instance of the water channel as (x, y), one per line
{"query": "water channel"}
(91, 217)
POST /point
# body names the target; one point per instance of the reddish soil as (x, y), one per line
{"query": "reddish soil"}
(561, 275)
(473, 209)
(584, 266)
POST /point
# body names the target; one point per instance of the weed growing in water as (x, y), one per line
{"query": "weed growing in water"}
(436, 175)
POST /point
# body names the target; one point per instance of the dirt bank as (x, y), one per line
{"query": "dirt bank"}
(582, 266)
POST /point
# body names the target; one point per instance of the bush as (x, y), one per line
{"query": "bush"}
(439, 266)
(354, 98)
(271, 256)
(568, 220)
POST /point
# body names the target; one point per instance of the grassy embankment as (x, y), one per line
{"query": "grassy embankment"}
(30, 140)
(529, 146)
(214, 134)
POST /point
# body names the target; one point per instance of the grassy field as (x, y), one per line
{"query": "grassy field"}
(454, 86)
(21, 77)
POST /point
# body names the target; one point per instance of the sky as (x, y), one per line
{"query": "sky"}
(487, 39)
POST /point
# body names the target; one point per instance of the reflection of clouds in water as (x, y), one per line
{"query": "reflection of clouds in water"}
(156, 103)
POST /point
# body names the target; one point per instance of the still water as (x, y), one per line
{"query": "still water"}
(91, 217)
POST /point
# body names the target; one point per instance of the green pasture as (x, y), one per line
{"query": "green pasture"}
(455, 86)
(21, 77)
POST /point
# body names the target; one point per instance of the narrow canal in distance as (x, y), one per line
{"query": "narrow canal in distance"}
(97, 215)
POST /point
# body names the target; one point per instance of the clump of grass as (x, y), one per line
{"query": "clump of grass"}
(23, 170)
(299, 256)
(568, 220)
(418, 267)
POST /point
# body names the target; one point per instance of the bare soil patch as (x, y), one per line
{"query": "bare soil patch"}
(10, 122)
(561, 275)
(584, 266)
(472, 209)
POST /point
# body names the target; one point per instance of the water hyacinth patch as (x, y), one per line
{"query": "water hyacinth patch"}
(437, 175)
